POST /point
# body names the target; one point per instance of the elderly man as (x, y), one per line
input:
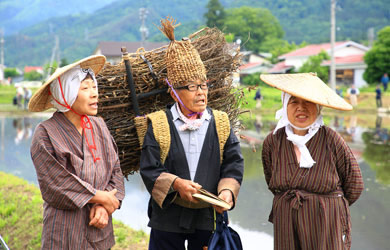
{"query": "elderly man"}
(198, 156)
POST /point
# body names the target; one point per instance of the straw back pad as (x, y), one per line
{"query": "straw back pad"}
(160, 130)
(162, 133)
(222, 124)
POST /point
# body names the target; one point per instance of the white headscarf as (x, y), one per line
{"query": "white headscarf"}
(298, 140)
(70, 82)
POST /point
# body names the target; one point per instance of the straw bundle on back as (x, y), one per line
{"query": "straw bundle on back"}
(149, 70)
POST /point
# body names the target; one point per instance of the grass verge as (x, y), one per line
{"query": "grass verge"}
(21, 218)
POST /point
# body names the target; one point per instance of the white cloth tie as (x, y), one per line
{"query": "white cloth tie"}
(191, 124)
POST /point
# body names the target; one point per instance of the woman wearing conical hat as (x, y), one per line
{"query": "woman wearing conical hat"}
(309, 168)
(76, 161)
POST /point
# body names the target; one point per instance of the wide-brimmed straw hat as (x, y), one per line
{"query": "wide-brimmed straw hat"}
(40, 101)
(307, 86)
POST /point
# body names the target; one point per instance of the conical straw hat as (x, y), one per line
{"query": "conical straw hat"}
(40, 101)
(307, 86)
(182, 59)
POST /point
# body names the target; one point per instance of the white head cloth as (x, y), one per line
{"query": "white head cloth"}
(70, 82)
(298, 140)
(193, 124)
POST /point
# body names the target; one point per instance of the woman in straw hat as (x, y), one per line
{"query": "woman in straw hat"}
(76, 161)
(309, 168)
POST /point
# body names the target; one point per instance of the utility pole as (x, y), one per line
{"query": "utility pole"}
(2, 55)
(143, 12)
(370, 36)
(2, 138)
(332, 41)
(58, 59)
(54, 52)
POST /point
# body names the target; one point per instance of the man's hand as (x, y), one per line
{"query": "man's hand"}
(225, 195)
(186, 188)
(98, 216)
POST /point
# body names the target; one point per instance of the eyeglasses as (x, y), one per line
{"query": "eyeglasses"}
(194, 87)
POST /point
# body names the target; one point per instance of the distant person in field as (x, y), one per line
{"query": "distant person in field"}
(339, 91)
(385, 81)
(353, 93)
(19, 96)
(258, 98)
(27, 96)
(378, 97)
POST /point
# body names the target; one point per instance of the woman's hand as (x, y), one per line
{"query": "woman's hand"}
(98, 216)
(186, 188)
(107, 199)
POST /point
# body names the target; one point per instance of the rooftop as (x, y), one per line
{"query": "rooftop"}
(113, 48)
(354, 59)
(314, 49)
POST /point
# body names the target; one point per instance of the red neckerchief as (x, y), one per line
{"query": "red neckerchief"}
(85, 122)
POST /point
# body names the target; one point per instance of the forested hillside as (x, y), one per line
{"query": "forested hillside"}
(301, 20)
(308, 20)
(18, 14)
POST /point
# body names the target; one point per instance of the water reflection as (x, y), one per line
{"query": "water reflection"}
(16, 133)
(23, 129)
(258, 123)
(368, 137)
(377, 151)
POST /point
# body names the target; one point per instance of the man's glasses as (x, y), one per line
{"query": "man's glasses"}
(194, 87)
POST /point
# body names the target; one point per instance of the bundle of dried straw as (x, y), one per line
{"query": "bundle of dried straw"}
(115, 105)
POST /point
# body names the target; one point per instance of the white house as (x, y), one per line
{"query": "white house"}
(251, 57)
(348, 56)
(253, 63)
(349, 70)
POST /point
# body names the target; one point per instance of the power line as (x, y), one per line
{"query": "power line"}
(143, 12)
(332, 42)
(2, 55)
(54, 52)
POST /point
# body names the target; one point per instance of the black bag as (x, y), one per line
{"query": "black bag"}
(15, 100)
(224, 237)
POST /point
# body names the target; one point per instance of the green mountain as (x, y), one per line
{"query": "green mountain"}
(302, 20)
(18, 14)
(307, 20)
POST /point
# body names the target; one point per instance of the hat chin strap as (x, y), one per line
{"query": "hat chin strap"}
(192, 113)
(85, 122)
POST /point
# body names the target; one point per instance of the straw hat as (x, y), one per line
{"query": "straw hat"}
(182, 59)
(307, 86)
(40, 101)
